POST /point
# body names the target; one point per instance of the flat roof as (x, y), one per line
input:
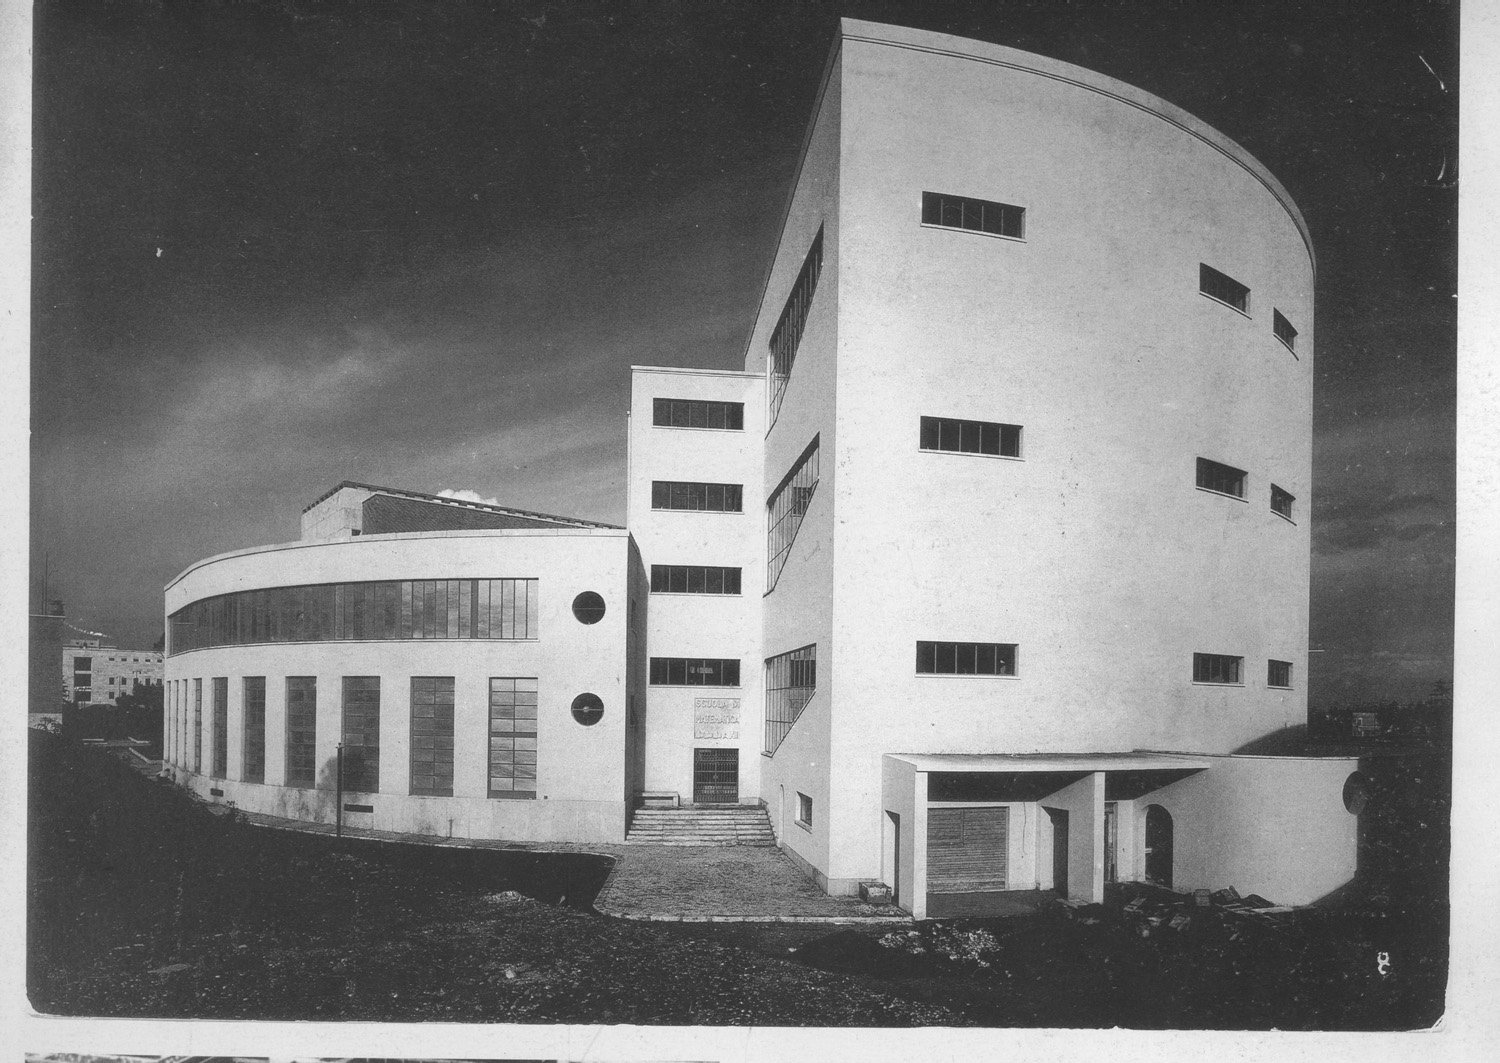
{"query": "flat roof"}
(1136, 760)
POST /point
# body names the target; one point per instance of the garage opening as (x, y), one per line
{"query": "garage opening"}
(967, 849)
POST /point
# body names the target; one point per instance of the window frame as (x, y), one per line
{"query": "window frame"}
(1208, 276)
(727, 410)
(516, 735)
(1271, 665)
(935, 652)
(804, 815)
(663, 671)
(936, 204)
(253, 729)
(1209, 465)
(663, 493)
(1284, 514)
(937, 427)
(1280, 325)
(708, 575)
(428, 692)
(1206, 663)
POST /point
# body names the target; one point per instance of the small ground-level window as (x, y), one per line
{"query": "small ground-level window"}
(971, 437)
(1217, 668)
(966, 658)
(1223, 479)
(1222, 287)
(1278, 673)
(588, 709)
(804, 810)
(1281, 502)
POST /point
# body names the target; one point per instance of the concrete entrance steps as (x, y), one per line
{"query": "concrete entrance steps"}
(704, 825)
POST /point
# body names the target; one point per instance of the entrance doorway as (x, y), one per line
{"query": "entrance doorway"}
(1158, 846)
(716, 776)
(891, 851)
(1059, 818)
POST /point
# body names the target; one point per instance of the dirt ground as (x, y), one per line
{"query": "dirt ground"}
(144, 903)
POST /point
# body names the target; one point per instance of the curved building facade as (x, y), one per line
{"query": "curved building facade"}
(989, 571)
(470, 683)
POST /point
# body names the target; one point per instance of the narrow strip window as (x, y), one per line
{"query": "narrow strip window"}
(787, 335)
(970, 437)
(791, 681)
(698, 413)
(513, 715)
(695, 671)
(1279, 674)
(977, 215)
(432, 735)
(361, 733)
(694, 579)
(253, 753)
(1224, 479)
(966, 658)
(197, 725)
(1223, 287)
(1281, 502)
(301, 730)
(220, 767)
(1217, 668)
(690, 495)
(1283, 330)
(785, 509)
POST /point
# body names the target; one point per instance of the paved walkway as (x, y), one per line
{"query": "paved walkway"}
(669, 883)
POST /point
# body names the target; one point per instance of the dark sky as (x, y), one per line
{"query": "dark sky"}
(280, 245)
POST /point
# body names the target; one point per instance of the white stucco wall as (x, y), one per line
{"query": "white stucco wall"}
(580, 770)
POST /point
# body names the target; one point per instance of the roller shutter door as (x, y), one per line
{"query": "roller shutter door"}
(966, 849)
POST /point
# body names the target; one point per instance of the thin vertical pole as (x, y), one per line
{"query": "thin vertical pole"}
(338, 802)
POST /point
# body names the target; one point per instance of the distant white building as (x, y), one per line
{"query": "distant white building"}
(985, 573)
(95, 673)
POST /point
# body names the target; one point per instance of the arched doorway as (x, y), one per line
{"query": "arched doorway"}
(1158, 846)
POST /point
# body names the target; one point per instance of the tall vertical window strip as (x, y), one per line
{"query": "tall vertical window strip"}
(698, 413)
(1223, 287)
(978, 215)
(361, 733)
(220, 767)
(787, 335)
(791, 681)
(432, 735)
(1283, 330)
(197, 725)
(336, 612)
(785, 510)
(301, 730)
(513, 704)
(253, 755)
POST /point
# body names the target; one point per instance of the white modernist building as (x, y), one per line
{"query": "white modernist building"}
(987, 572)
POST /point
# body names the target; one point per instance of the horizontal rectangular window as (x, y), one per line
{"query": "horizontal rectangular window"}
(1217, 668)
(339, 612)
(978, 215)
(694, 579)
(1281, 502)
(786, 508)
(1278, 673)
(695, 672)
(698, 413)
(711, 498)
(791, 681)
(1222, 287)
(787, 336)
(1225, 479)
(966, 658)
(971, 437)
(1283, 330)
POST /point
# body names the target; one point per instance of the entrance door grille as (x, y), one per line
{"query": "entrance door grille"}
(716, 776)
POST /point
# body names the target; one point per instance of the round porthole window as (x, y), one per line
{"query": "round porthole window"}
(588, 709)
(588, 607)
(1356, 793)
